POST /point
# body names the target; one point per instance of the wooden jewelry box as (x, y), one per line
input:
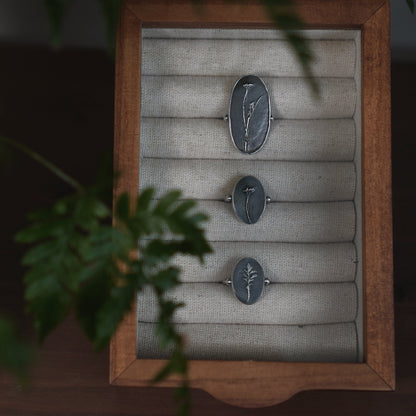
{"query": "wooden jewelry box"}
(324, 241)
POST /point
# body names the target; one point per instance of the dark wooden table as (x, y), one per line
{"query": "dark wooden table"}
(61, 104)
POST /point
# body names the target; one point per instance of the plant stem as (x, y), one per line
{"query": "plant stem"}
(44, 162)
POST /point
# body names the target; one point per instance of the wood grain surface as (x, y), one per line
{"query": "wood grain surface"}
(62, 105)
(126, 159)
(376, 182)
(326, 13)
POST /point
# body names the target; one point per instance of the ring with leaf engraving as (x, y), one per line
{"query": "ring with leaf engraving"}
(248, 199)
(249, 114)
(248, 281)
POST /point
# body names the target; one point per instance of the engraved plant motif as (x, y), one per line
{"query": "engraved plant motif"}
(247, 115)
(248, 191)
(249, 274)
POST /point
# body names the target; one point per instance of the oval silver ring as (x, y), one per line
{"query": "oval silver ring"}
(248, 281)
(249, 114)
(248, 199)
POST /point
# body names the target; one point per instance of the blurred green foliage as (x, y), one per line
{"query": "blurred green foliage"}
(78, 261)
(16, 355)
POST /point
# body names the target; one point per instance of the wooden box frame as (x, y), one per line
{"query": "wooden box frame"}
(249, 383)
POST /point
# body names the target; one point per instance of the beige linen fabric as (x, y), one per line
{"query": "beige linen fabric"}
(281, 304)
(282, 181)
(281, 263)
(330, 343)
(333, 58)
(307, 222)
(293, 140)
(306, 246)
(209, 97)
(262, 34)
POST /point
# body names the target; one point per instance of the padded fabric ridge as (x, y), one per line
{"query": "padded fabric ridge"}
(282, 181)
(313, 343)
(222, 57)
(281, 262)
(292, 140)
(281, 304)
(209, 96)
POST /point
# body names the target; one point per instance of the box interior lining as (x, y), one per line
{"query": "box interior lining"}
(309, 239)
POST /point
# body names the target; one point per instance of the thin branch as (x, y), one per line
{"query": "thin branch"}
(44, 162)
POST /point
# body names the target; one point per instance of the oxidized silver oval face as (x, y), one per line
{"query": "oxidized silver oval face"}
(249, 114)
(249, 199)
(248, 281)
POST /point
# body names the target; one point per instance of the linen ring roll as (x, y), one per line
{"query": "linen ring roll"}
(282, 181)
(209, 96)
(330, 343)
(259, 34)
(281, 304)
(244, 56)
(204, 138)
(282, 263)
(306, 222)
